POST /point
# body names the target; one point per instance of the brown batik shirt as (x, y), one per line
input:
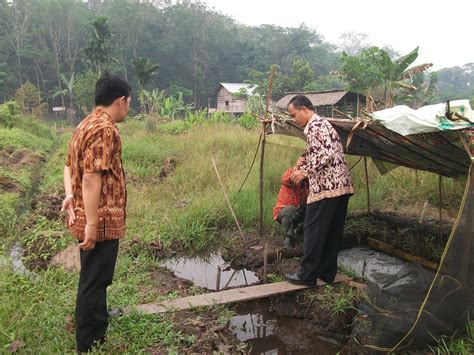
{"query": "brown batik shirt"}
(325, 164)
(96, 147)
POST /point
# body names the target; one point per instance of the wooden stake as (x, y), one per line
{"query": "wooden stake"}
(228, 201)
(218, 278)
(262, 152)
(440, 188)
(367, 184)
(230, 279)
(422, 215)
(261, 183)
(265, 263)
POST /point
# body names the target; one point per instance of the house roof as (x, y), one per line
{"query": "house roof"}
(318, 98)
(235, 87)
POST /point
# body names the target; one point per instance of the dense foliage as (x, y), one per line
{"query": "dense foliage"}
(60, 46)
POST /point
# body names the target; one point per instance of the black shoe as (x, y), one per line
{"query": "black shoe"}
(289, 242)
(328, 280)
(295, 279)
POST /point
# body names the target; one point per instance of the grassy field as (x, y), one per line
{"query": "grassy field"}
(174, 198)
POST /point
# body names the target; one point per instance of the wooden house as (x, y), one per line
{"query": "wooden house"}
(228, 98)
(329, 103)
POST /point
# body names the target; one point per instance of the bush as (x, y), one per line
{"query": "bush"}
(20, 139)
(175, 127)
(8, 111)
(248, 121)
(8, 213)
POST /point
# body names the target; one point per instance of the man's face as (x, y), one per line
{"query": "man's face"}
(124, 106)
(301, 116)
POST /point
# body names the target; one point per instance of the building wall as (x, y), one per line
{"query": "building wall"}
(229, 103)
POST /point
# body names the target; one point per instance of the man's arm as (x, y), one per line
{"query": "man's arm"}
(68, 202)
(91, 186)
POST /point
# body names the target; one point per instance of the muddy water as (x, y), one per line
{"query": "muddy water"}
(203, 271)
(266, 333)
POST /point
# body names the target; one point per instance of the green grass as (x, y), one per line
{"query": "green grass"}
(19, 138)
(334, 301)
(456, 345)
(186, 210)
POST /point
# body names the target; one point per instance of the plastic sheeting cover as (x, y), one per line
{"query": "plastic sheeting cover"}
(405, 120)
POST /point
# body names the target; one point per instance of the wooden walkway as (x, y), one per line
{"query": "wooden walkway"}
(228, 296)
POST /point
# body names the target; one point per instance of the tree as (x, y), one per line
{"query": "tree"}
(374, 72)
(84, 88)
(145, 71)
(353, 43)
(68, 90)
(423, 92)
(14, 24)
(29, 99)
(99, 49)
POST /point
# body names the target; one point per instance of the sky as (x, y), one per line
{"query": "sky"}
(444, 31)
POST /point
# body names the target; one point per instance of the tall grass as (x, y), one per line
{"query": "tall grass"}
(185, 209)
(189, 206)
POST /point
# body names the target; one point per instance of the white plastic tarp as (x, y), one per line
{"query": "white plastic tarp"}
(405, 120)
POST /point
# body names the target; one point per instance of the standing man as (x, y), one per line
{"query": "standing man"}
(95, 200)
(330, 187)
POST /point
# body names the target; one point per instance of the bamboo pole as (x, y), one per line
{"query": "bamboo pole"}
(262, 152)
(265, 263)
(440, 189)
(228, 201)
(261, 182)
(367, 184)
(218, 278)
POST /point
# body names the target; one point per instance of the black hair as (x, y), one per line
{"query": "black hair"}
(109, 87)
(300, 100)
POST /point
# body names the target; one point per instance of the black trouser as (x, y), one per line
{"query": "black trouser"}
(290, 217)
(323, 230)
(97, 271)
(285, 217)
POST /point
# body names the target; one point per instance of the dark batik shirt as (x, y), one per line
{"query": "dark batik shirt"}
(325, 164)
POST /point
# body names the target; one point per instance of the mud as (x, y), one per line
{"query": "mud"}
(210, 334)
(268, 330)
(48, 205)
(15, 159)
(8, 184)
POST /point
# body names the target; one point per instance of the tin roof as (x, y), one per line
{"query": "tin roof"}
(236, 87)
(318, 98)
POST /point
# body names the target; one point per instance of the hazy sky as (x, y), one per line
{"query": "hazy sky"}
(444, 30)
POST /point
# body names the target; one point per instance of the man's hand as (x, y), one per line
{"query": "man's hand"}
(297, 177)
(90, 239)
(300, 162)
(68, 205)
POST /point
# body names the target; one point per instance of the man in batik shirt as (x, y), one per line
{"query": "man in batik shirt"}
(95, 200)
(330, 187)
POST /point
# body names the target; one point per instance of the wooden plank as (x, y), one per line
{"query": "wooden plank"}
(377, 244)
(228, 296)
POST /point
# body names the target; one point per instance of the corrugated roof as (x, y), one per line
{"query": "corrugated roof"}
(235, 87)
(320, 98)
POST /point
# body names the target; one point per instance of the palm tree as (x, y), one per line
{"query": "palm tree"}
(98, 49)
(395, 74)
(145, 70)
(373, 71)
(68, 90)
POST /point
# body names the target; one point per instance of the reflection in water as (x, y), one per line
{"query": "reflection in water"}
(203, 272)
(267, 333)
